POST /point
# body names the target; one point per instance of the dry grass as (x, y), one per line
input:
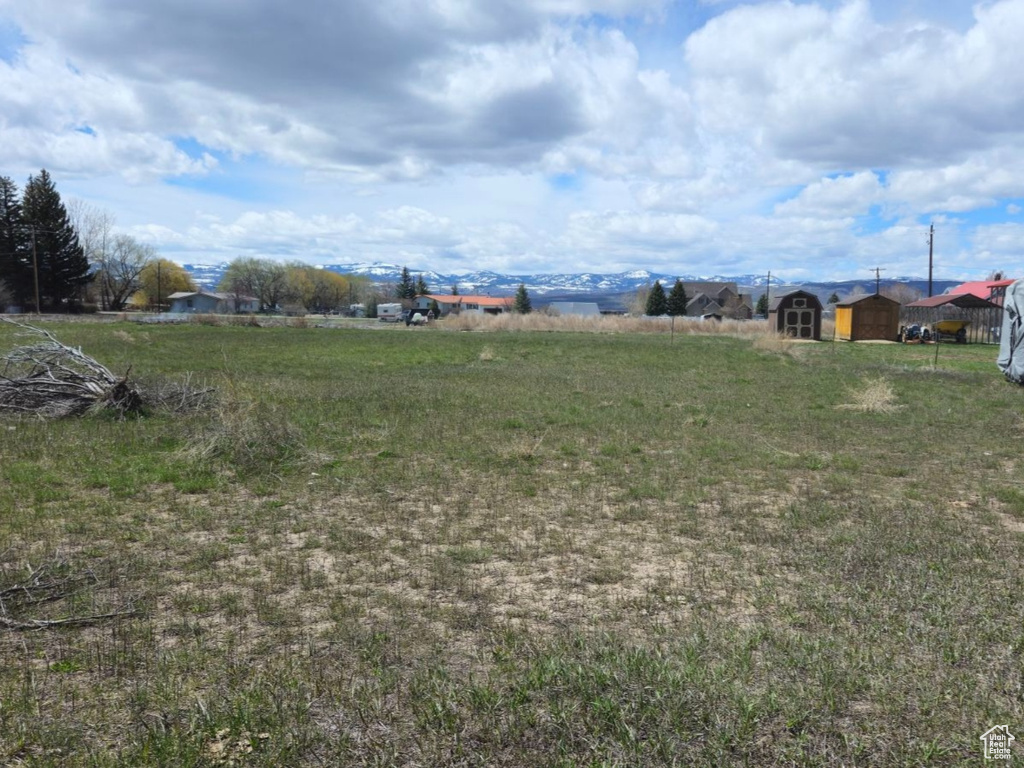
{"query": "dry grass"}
(522, 550)
(539, 321)
(776, 344)
(250, 435)
(872, 396)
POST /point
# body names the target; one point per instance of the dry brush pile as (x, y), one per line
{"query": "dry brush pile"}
(49, 379)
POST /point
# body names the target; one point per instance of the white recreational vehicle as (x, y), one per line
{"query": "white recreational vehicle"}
(389, 313)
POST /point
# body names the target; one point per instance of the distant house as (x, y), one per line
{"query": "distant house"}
(796, 314)
(447, 304)
(209, 302)
(584, 308)
(707, 298)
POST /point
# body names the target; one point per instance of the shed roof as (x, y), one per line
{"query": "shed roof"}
(962, 300)
(856, 299)
(779, 299)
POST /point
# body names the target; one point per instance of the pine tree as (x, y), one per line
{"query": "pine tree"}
(522, 304)
(61, 263)
(657, 304)
(15, 253)
(762, 305)
(834, 298)
(422, 289)
(406, 286)
(676, 305)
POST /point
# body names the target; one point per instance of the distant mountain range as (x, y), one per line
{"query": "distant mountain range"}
(608, 290)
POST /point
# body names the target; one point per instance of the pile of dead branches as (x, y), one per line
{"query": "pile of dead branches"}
(48, 583)
(49, 379)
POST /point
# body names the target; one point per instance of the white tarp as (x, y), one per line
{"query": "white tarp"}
(1011, 341)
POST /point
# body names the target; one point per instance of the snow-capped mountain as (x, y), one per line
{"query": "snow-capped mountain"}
(487, 282)
(590, 286)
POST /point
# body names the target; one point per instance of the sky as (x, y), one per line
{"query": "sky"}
(818, 140)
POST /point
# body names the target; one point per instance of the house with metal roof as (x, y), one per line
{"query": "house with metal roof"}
(211, 302)
(448, 304)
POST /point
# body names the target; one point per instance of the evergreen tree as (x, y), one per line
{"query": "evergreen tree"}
(834, 298)
(422, 289)
(15, 252)
(455, 289)
(657, 304)
(406, 286)
(676, 305)
(762, 305)
(435, 308)
(522, 303)
(61, 263)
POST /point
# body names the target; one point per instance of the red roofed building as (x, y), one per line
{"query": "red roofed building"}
(990, 290)
(484, 305)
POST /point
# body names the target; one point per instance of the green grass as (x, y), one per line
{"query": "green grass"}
(417, 547)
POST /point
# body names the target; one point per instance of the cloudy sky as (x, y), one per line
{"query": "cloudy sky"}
(815, 139)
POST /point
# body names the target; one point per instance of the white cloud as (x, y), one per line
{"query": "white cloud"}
(433, 129)
(842, 196)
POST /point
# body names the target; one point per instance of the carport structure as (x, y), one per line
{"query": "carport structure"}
(986, 317)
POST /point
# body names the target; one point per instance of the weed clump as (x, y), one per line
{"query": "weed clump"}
(873, 396)
(251, 437)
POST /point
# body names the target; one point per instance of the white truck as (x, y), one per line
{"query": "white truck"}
(389, 313)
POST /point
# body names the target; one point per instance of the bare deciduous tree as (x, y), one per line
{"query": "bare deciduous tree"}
(117, 260)
(901, 292)
(94, 226)
(120, 268)
(264, 279)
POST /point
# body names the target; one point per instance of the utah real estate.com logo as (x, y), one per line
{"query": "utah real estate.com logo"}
(996, 742)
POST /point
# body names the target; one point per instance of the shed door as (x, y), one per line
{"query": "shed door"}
(875, 323)
(799, 323)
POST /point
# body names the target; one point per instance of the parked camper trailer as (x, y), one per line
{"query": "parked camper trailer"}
(389, 313)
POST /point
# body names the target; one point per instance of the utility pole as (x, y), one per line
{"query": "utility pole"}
(35, 269)
(878, 278)
(768, 294)
(931, 250)
(158, 286)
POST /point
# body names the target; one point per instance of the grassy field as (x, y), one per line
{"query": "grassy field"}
(419, 547)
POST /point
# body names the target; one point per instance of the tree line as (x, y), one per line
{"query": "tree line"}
(61, 257)
(291, 286)
(69, 257)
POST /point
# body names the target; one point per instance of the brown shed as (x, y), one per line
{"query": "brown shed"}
(868, 317)
(797, 314)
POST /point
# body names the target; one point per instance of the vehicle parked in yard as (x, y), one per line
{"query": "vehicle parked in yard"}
(389, 313)
(417, 316)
